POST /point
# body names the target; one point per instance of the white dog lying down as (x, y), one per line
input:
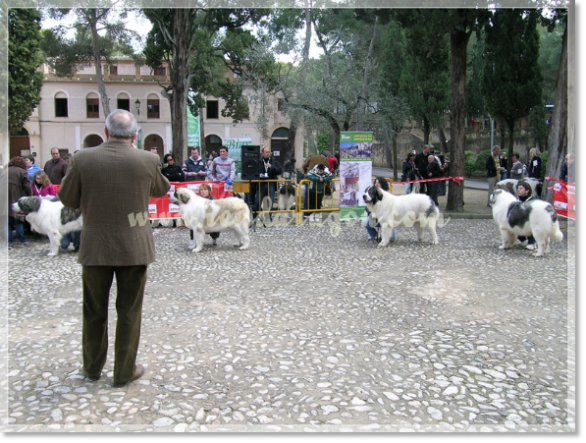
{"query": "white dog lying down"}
(204, 216)
(48, 216)
(534, 217)
(402, 210)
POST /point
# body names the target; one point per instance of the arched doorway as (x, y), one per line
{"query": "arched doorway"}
(153, 140)
(19, 144)
(92, 140)
(280, 146)
(213, 143)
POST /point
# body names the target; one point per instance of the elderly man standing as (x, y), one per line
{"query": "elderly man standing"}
(113, 184)
(56, 168)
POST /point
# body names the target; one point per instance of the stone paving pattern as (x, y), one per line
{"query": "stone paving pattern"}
(311, 329)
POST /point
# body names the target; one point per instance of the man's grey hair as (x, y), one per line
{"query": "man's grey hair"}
(121, 124)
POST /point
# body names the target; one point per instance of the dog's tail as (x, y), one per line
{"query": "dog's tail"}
(555, 233)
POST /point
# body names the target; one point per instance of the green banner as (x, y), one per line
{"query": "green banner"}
(355, 172)
(192, 129)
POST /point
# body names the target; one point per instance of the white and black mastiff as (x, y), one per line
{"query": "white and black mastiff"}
(516, 218)
(204, 216)
(48, 216)
(402, 210)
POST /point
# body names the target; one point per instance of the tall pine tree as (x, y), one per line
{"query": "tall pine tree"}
(24, 59)
(511, 80)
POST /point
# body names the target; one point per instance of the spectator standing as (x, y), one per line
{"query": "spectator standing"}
(269, 169)
(223, 167)
(534, 164)
(319, 177)
(568, 170)
(441, 187)
(421, 162)
(42, 186)
(310, 162)
(172, 171)
(504, 165)
(409, 172)
(31, 166)
(492, 166)
(19, 185)
(434, 170)
(56, 168)
(117, 241)
(195, 168)
(516, 167)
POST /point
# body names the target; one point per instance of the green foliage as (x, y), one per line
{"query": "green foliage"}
(469, 163)
(511, 80)
(550, 49)
(543, 165)
(323, 142)
(424, 80)
(538, 126)
(474, 99)
(24, 58)
(480, 163)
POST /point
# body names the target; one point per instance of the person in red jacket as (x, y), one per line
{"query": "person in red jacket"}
(41, 185)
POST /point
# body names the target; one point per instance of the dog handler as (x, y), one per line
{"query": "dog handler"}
(113, 184)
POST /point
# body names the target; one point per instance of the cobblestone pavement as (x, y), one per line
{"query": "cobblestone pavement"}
(311, 329)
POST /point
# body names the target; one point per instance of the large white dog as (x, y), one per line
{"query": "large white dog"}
(402, 210)
(534, 217)
(204, 216)
(48, 216)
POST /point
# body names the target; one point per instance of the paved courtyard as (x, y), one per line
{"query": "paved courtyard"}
(311, 329)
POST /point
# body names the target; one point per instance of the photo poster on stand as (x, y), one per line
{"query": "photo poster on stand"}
(234, 146)
(355, 172)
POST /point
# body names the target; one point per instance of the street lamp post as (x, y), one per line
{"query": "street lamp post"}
(137, 105)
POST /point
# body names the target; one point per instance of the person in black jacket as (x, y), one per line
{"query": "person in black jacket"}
(492, 166)
(534, 164)
(409, 172)
(434, 170)
(269, 169)
(421, 164)
(172, 171)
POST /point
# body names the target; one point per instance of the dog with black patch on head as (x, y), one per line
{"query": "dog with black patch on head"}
(49, 217)
(205, 216)
(532, 217)
(391, 211)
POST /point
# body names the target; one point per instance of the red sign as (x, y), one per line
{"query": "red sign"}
(564, 199)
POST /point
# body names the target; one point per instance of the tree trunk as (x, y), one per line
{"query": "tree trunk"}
(362, 99)
(92, 20)
(559, 131)
(395, 159)
(511, 145)
(442, 137)
(426, 130)
(291, 139)
(180, 82)
(458, 42)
